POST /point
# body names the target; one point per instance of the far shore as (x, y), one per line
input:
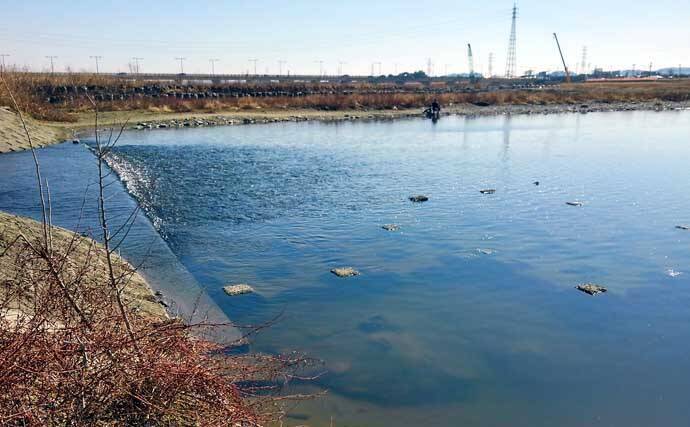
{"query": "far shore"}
(11, 136)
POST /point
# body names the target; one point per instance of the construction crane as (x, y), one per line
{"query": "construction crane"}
(567, 73)
(470, 59)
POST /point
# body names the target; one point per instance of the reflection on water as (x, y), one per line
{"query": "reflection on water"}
(467, 315)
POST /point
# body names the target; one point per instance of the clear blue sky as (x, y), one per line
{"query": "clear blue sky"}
(617, 34)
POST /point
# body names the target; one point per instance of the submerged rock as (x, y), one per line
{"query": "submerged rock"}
(345, 272)
(391, 227)
(591, 289)
(488, 191)
(239, 289)
(419, 199)
(683, 227)
(576, 203)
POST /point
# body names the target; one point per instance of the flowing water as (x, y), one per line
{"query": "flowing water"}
(468, 314)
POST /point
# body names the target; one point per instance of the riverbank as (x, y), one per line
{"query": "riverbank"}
(13, 138)
(44, 133)
(84, 255)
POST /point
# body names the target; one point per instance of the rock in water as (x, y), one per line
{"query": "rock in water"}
(488, 191)
(239, 289)
(536, 183)
(683, 227)
(574, 203)
(391, 227)
(591, 289)
(345, 272)
(419, 199)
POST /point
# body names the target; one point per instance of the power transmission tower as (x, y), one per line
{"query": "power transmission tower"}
(583, 64)
(52, 65)
(340, 67)
(280, 66)
(512, 45)
(213, 61)
(96, 58)
(136, 63)
(255, 61)
(470, 60)
(491, 64)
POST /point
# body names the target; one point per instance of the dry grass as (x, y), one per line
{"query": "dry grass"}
(30, 90)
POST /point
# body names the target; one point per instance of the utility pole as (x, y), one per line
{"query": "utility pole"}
(318, 61)
(280, 66)
(429, 67)
(379, 64)
(181, 59)
(213, 61)
(650, 69)
(254, 61)
(491, 64)
(52, 64)
(395, 68)
(2, 63)
(136, 63)
(340, 67)
(96, 58)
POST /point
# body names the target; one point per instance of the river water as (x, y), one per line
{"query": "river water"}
(465, 316)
